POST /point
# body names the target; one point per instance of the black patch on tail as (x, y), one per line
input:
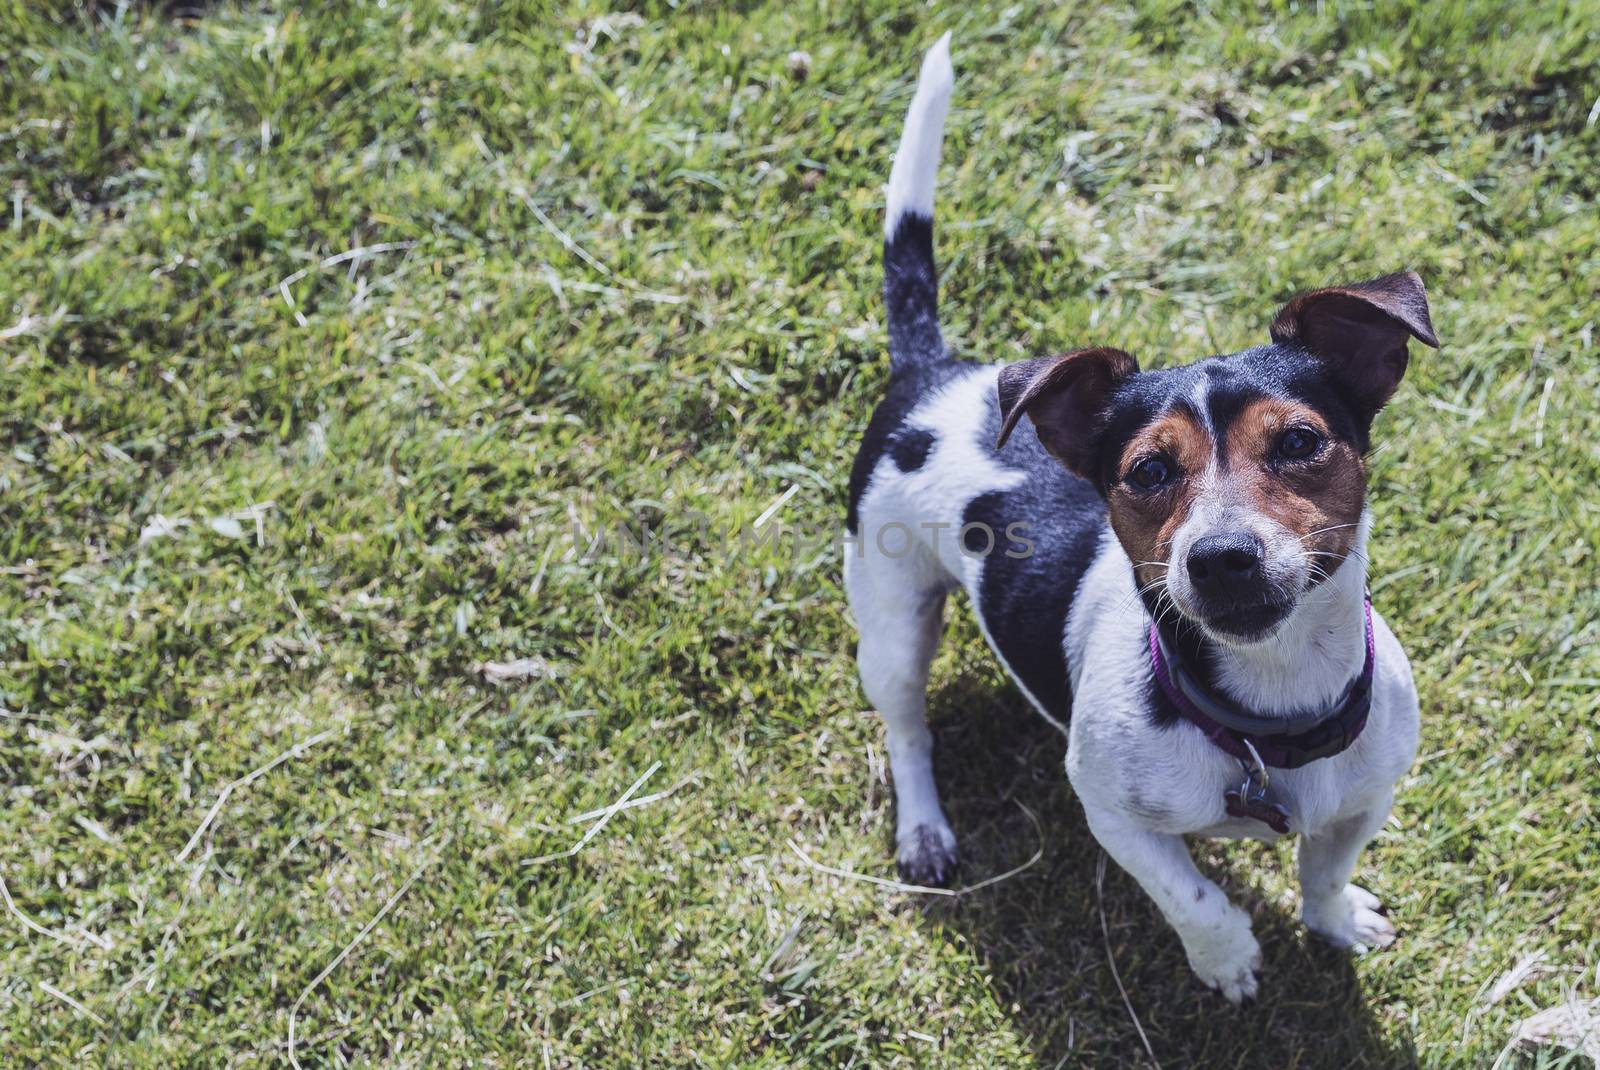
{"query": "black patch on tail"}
(911, 293)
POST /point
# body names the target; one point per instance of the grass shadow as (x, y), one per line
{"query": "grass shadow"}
(1040, 933)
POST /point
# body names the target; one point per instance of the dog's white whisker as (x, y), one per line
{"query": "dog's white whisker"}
(1140, 592)
(1332, 527)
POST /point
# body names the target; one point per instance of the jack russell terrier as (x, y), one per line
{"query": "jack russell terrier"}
(1171, 565)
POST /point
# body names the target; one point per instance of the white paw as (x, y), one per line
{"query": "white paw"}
(1350, 920)
(1226, 957)
(927, 854)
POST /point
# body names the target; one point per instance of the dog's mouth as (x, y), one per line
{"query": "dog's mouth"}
(1247, 623)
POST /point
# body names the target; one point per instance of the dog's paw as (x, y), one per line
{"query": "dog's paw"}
(927, 855)
(1226, 957)
(1351, 920)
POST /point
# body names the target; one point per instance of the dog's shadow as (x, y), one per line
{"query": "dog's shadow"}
(1043, 938)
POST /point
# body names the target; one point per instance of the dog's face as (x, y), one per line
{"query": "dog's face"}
(1236, 484)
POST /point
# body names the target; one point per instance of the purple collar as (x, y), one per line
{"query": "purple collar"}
(1281, 742)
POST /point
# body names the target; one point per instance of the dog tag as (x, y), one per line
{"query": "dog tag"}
(1256, 805)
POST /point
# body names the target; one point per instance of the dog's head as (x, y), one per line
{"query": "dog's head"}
(1236, 484)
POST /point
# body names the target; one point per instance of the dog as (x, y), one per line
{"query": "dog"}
(1170, 564)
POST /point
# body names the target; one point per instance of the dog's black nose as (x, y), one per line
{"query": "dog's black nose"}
(1225, 565)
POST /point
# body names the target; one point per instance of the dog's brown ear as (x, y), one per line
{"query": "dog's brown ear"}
(1064, 396)
(1360, 331)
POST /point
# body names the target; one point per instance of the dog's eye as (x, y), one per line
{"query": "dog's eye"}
(1298, 443)
(1150, 473)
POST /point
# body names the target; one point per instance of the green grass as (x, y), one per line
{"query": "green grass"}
(441, 427)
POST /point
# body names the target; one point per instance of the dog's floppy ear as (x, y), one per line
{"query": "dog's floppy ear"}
(1360, 331)
(1064, 396)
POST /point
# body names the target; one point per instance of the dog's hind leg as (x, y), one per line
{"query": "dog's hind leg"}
(898, 604)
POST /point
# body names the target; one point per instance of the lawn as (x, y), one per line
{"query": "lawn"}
(389, 395)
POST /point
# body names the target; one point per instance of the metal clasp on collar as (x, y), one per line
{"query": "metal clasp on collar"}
(1250, 800)
(1255, 779)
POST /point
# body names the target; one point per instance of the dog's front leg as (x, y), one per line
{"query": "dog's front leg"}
(1216, 934)
(1336, 910)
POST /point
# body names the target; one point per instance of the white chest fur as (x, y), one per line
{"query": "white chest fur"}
(1171, 778)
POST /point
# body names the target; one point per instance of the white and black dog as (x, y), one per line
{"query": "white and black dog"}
(1171, 563)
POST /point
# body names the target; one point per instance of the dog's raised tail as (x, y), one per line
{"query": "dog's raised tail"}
(910, 283)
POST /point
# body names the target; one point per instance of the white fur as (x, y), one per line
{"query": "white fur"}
(916, 162)
(960, 469)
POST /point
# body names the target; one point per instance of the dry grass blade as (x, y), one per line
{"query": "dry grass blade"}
(1526, 968)
(1111, 959)
(1573, 1026)
(74, 1004)
(244, 781)
(505, 672)
(605, 816)
(631, 804)
(923, 889)
(29, 923)
(344, 953)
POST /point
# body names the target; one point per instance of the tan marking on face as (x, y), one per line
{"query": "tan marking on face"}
(1319, 500)
(1145, 522)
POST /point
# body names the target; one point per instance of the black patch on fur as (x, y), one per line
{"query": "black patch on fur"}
(979, 539)
(907, 389)
(909, 448)
(918, 362)
(911, 295)
(1024, 596)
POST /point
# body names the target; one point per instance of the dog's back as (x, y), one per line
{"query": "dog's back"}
(932, 500)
